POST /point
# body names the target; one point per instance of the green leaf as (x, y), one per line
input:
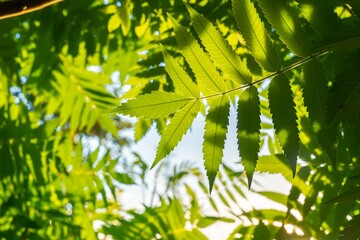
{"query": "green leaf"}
(274, 196)
(351, 230)
(345, 92)
(350, 43)
(287, 26)
(220, 50)
(284, 116)
(255, 35)
(320, 15)
(207, 221)
(114, 22)
(141, 127)
(176, 129)
(154, 105)
(315, 96)
(274, 164)
(217, 120)
(249, 130)
(349, 196)
(208, 77)
(182, 82)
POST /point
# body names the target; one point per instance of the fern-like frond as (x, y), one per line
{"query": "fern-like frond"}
(249, 130)
(284, 116)
(209, 79)
(286, 25)
(315, 96)
(182, 82)
(154, 105)
(216, 126)
(255, 35)
(220, 50)
(176, 129)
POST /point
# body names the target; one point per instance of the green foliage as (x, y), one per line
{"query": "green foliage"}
(248, 132)
(214, 136)
(287, 26)
(206, 74)
(284, 117)
(220, 51)
(255, 35)
(154, 105)
(292, 67)
(175, 130)
(310, 100)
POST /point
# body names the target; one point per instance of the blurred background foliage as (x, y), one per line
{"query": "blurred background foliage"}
(63, 165)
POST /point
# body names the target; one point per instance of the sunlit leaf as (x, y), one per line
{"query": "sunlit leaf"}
(255, 35)
(154, 105)
(287, 26)
(176, 129)
(284, 116)
(182, 82)
(208, 77)
(216, 125)
(220, 50)
(249, 130)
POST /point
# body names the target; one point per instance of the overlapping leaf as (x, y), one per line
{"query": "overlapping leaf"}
(154, 105)
(208, 77)
(249, 130)
(176, 129)
(255, 35)
(220, 50)
(315, 96)
(214, 136)
(284, 116)
(287, 26)
(182, 82)
(345, 94)
(320, 15)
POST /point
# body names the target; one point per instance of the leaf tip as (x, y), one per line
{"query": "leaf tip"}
(249, 178)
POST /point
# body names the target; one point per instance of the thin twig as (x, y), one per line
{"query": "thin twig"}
(292, 66)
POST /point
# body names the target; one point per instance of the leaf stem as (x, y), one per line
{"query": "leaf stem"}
(288, 68)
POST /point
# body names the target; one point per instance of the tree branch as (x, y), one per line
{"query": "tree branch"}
(11, 8)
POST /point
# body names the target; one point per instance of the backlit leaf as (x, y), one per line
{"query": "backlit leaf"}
(284, 116)
(208, 77)
(154, 105)
(320, 15)
(182, 82)
(220, 50)
(255, 35)
(315, 96)
(217, 120)
(176, 129)
(249, 130)
(286, 25)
